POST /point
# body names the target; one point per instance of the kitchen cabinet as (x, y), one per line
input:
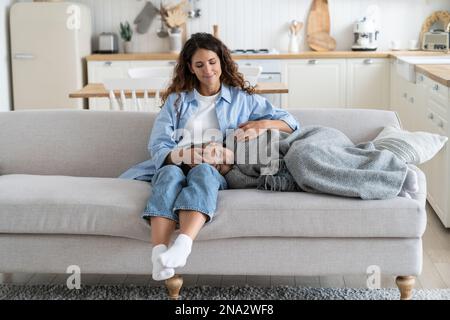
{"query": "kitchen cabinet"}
(423, 106)
(420, 113)
(337, 83)
(435, 119)
(101, 70)
(315, 83)
(98, 71)
(405, 99)
(368, 83)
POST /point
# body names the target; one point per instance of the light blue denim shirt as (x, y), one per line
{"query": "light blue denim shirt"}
(234, 107)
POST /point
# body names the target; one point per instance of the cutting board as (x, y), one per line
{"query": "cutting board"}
(319, 17)
(318, 27)
(321, 41)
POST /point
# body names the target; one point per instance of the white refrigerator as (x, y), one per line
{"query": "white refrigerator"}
(49, 41)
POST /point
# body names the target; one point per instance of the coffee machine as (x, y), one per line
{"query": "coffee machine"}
(366, 35)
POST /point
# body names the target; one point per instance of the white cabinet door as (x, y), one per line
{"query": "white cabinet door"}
(368, 83)
(315, 83)
(405, 101)
(98, 71)
(101, 70)
(437, 169)
(419, 116)
(152, 63)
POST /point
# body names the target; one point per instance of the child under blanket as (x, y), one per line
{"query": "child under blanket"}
(321, 160)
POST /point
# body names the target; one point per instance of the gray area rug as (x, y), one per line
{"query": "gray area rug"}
(134, 292)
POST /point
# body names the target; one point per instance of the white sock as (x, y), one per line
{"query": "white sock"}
(178, 253)
(159, 271)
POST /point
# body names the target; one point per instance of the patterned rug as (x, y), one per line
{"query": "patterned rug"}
(134, 292)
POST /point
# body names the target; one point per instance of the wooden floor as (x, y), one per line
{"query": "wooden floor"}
(435, 274)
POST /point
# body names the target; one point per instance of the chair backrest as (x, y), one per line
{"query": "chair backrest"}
(251, 73)
(141, 79)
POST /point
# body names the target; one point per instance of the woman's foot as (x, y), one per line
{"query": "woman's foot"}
(178, 253)
(160, 272)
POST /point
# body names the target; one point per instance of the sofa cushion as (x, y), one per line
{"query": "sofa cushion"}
(104, 206)
(73, 205)
(298, 214)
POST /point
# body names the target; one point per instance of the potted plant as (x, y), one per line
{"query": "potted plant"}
(126, 33)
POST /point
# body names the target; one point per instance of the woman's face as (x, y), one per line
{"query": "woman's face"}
(205, 64)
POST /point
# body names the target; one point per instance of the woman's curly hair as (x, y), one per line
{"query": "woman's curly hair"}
(183, 79)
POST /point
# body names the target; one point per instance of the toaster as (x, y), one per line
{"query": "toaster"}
(436, 41)
(108, 43)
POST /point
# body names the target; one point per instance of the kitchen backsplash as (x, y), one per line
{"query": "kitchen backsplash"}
(264, 23)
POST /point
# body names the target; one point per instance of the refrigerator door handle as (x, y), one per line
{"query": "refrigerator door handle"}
(23, 56)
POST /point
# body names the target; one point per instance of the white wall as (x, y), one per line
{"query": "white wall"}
(264, 23)
(5, 83)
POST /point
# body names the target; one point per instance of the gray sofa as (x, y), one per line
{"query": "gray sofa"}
(61, 204)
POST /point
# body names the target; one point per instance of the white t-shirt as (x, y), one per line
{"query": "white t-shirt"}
(203, 125)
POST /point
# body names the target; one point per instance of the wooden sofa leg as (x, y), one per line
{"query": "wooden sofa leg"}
(406, 286)
(174, 285)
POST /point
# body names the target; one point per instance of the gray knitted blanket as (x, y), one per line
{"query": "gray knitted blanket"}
(320, 160)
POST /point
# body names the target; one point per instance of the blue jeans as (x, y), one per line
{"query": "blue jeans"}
(172, 190)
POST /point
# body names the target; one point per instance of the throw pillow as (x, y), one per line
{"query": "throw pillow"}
(412, 147)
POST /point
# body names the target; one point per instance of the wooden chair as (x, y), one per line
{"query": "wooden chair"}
(134, 91)
(251, 73)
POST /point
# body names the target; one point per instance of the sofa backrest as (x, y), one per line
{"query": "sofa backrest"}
(106, 143)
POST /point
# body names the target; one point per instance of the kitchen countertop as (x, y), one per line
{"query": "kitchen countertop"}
(301, 55)
(437, 72)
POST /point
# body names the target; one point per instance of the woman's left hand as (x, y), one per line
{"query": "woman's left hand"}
(251, 129)
(215, 153)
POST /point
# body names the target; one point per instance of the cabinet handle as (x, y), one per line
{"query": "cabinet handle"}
(441, 124)
(312, 61)
(436, 87)
(405, 95)
(411, 99)
(172, 63)
(368, 61)
(23, 56)
(431, 116)
(421, 78)
(108, 63)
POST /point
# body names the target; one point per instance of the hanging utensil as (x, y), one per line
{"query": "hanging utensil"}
(195, 12)
(191, 12)
(162, 31)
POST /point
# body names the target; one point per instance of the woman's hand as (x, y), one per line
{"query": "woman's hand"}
(190, 156)
(223, 168)
(251, 129)
(215, 153)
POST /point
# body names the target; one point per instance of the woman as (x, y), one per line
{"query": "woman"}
(207, 95)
